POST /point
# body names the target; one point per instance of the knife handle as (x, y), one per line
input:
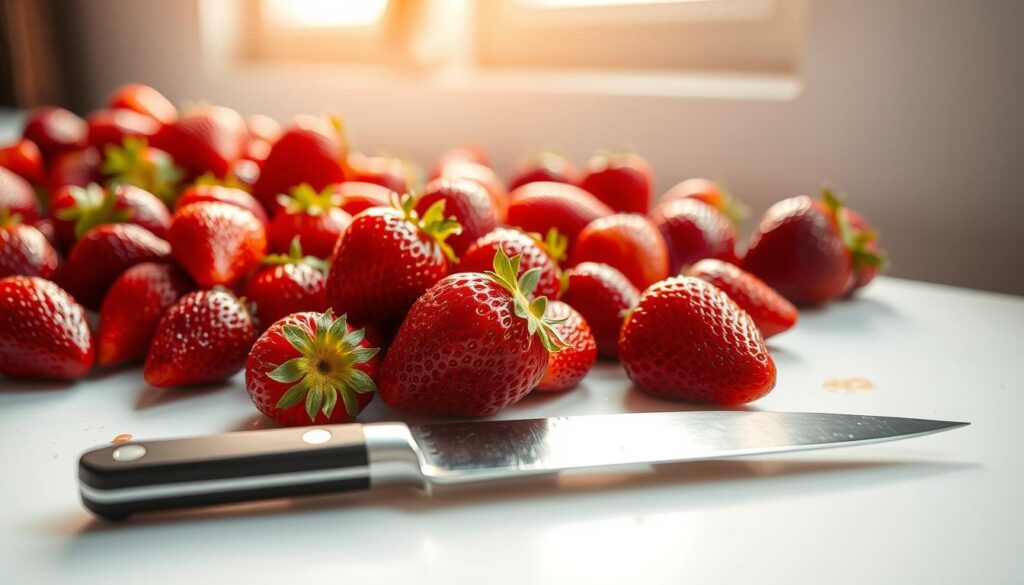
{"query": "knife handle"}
(119, 480)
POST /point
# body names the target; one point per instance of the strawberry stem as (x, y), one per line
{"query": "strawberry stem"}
(295, 256)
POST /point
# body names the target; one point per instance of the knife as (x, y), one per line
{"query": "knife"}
(119, 480)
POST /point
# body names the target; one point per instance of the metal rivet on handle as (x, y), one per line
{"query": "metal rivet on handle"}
(316, 436)
(129, 452)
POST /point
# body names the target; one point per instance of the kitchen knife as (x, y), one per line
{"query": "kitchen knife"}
(119, 480)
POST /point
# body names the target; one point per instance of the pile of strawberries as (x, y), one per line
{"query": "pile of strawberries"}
(209, 242)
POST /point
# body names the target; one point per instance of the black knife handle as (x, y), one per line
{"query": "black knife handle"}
(119, 480)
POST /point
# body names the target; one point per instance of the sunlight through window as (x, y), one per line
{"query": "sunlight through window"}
(323, 13)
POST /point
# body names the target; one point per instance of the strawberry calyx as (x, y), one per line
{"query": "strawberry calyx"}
(325, 368)
(295, 256)
(135, 163)
(432, 223)
(860, 242)
(731, 207)
(94, 206)
(553, 243)
(505, 274)
(208, 179)
(8, 218)
(305, 199)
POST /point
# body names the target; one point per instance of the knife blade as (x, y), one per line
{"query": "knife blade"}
(119, 480)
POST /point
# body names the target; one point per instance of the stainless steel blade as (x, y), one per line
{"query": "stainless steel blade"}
(477, 451)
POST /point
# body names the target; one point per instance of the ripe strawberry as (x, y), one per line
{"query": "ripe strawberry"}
(567, 367)
(76, 211)
(629, 242)
(538, 207)
(310, 151)
(222, 194)
(202, 339)
(207, 139)
(694, 230)
(22, 157)
(17, 197)
(534, 253)
(468, 202)
(144, 100)
(288, 284)
(132, 310)
(711, 193)
(55, 131)
(808, 250)
(101, 255)
(386, 171)
(467, 346)
(24, 250)
(482, 174)
(314, 218)
(304, 362)
(113, 126)
(543, 166)
(357, 197)
(770, 311)
(687, 340)
(603, 296)
(621, 181)
(43, 331)
(865, 270)
(216, 243)
(387, 258)
(76, 168)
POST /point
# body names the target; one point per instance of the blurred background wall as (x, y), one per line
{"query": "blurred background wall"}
(913, 108)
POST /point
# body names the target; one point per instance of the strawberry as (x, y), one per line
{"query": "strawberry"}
(603, 296)
(694, 230)
(76, 168)
(471, 345)
(711, 193)
(864, 271)
(202, 339)
(43, 331)
(55, 131)
(468, 202)
(621, 181)
(288, 284)
(101, 255)
(314, 218)
(17, 197)
(534, 253)
(113, 126)
(687, 340)
(629, 242)
(357, 197)
(387, 258)
(482, 174)
(137, 163)
(808, 250)
(144, 100)
(301, 366)
(76, 211)
(567, 367)
(22, 157)
(216, 243)
(132, 309)
(538, 207)
(310, 151)
(385, 171)
(222, 194)
(207, 139)
(543, 166)
(24, 250)
(770, 311)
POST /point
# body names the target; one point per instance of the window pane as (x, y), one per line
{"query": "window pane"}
(323, 13)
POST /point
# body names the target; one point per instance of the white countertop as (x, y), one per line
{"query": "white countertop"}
(946, 508)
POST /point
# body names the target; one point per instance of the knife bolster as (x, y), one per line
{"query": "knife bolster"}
(394, 456)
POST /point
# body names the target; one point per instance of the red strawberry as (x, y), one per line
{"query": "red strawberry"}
(711, 193)
(357, 197)
(76, 168)
(602, 295)
(468, 346)
(314, 218)
(864, 271)
(687, 340)
(310, 151)
(538, 207)
(113, 126)
(621, 181)
(202, 339)
(542, 255)
(101, 255)
(631, 243)
(567, 367)
(23, 158)
(76, 211)
(807, 250)
(216, 243)
(770, 311)
(132, 310)
(55, 131)
(144, 100)
(694, 230)
(385, 171)
(43, 331)
(24, 250)
(482, 174)
(288, 284)
(543, 166)
(222, 194)
(468, 202)
(300, 367)
(207, 139)
(17, 197)
(387, 258)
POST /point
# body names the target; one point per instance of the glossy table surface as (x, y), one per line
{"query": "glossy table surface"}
(945, 508)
